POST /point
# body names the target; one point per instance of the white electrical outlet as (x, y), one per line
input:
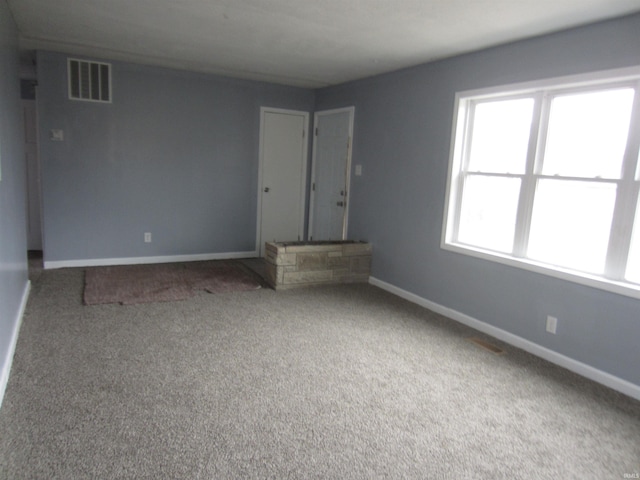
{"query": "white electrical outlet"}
(147, 237)
(552, 324)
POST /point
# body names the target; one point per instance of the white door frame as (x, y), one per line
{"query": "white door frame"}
(303, 182)
(347, 177)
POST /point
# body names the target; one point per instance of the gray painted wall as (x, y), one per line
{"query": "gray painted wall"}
(175, 154)
(401, 138)
(13, 227)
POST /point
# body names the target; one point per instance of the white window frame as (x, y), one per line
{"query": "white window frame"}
(628, 185)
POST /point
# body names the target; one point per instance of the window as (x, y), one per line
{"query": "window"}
(89, 81)
(546, 176)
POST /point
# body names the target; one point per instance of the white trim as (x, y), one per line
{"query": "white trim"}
(8, 360)
(312, 195)
(303, 182)
(575, 366)
(99, 262)
(594, 281)
(617, 75)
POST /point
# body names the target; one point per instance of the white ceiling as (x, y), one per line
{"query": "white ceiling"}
(307, 43)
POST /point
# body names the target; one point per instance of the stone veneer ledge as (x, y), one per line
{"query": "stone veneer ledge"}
(299, 264)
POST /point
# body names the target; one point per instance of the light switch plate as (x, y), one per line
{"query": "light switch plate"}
(56, 135)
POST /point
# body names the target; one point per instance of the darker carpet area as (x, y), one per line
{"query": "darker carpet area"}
(129, 284)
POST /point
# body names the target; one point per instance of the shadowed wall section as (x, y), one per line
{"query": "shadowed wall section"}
(174, 154)
(13, 226)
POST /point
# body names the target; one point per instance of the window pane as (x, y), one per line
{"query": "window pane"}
(500, 136)
(633, 261)
(587, 134)
(488, 213)
(571, 223)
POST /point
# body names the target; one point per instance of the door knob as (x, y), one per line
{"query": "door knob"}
(266, 189)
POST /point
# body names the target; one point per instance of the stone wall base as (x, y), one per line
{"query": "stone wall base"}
(300, 264)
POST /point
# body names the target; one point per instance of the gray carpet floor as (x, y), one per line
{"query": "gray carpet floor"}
(330, 382)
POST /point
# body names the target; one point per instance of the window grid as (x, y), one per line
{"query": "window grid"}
(525, 206)
(627, 187)
(627, 200)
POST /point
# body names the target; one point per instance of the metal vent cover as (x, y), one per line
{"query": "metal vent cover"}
(487, 346)
(89, 81)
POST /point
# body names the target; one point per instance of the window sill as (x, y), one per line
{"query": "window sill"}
(594, 281)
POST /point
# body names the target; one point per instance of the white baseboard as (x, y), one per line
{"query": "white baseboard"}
(8, 360)
(101, 262)
(575, 366)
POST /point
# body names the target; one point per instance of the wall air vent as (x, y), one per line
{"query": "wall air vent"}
(89, 81)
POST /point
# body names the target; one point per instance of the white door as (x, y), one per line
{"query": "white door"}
(34, 233)
(330, 179)
(283, 167)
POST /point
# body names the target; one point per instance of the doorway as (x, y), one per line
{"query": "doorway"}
(330, 179)
(282, 176)
(34, 210)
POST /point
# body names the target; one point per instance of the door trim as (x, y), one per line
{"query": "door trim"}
(303, 182)
(347, 178)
